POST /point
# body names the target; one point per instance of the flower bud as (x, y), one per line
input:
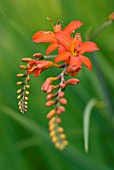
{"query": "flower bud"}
(50, 103)
(52, 126)
(18, 97)
(63, 101)
(19, 91)
(49, 96)
(26, 59)
(57, 145)
(63, 136)
(19, 83)
(22, 67)
(58, 120)
(60, 129)
(52, 120)
(72, 81)
(47, 83)
(51, 113)
(38, 55)
(21, 75)
(49, 89)
(28, 78)
(52, 133)
(27, 86)
(26, 106)
(26, 98)
(61, 94)
(62, 85)
(25, 103)
(54, 139)
(27, 92)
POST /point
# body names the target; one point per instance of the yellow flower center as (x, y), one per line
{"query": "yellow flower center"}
(73, 52)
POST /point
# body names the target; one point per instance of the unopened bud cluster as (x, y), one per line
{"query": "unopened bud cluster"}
(55, 97)
(23, 90)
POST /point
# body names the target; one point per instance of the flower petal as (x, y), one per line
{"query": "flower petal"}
(86, 62)
(74, 61)
(64, 39)
(62, 56)
(72, 26)
(44, 36)
(87, 47)
(37, 73)
(52, 47)
(61, 49)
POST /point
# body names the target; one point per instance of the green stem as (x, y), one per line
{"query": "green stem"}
(49, 56)
(102, 27)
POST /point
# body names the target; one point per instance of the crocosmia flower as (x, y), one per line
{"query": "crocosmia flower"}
(48, 36)
(73, 50)
(36, 67)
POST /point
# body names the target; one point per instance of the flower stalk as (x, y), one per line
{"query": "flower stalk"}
(70, 52)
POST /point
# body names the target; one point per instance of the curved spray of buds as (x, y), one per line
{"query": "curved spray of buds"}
(57, 100)
(23, 91)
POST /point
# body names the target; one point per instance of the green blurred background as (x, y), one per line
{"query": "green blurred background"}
(24, 141)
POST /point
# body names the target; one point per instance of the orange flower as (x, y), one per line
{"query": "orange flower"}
(72, 50)
(48, 36)
(36, 67)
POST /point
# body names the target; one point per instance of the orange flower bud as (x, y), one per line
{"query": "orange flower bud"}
(22, 67)
(52, 120)
(58, 120)
(63, 101)
(26, 59)
(59, 112)
(51, 113)
(49, 96)
(50, 103)
(72, 81)
(21, 75)
(47, 83)
(27, 86)
(60, 129)
(62, 85)
(49, 89)
(19, 83)
(38, 55)
(52, 133)
(61, 94)
(60, 109)
(52, 126)
(28, 78)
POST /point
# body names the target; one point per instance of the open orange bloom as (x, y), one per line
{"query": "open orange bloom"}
(72, 50)
(36, 67)
(48, 36)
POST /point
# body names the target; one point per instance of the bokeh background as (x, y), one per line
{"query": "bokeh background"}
(24, 141)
